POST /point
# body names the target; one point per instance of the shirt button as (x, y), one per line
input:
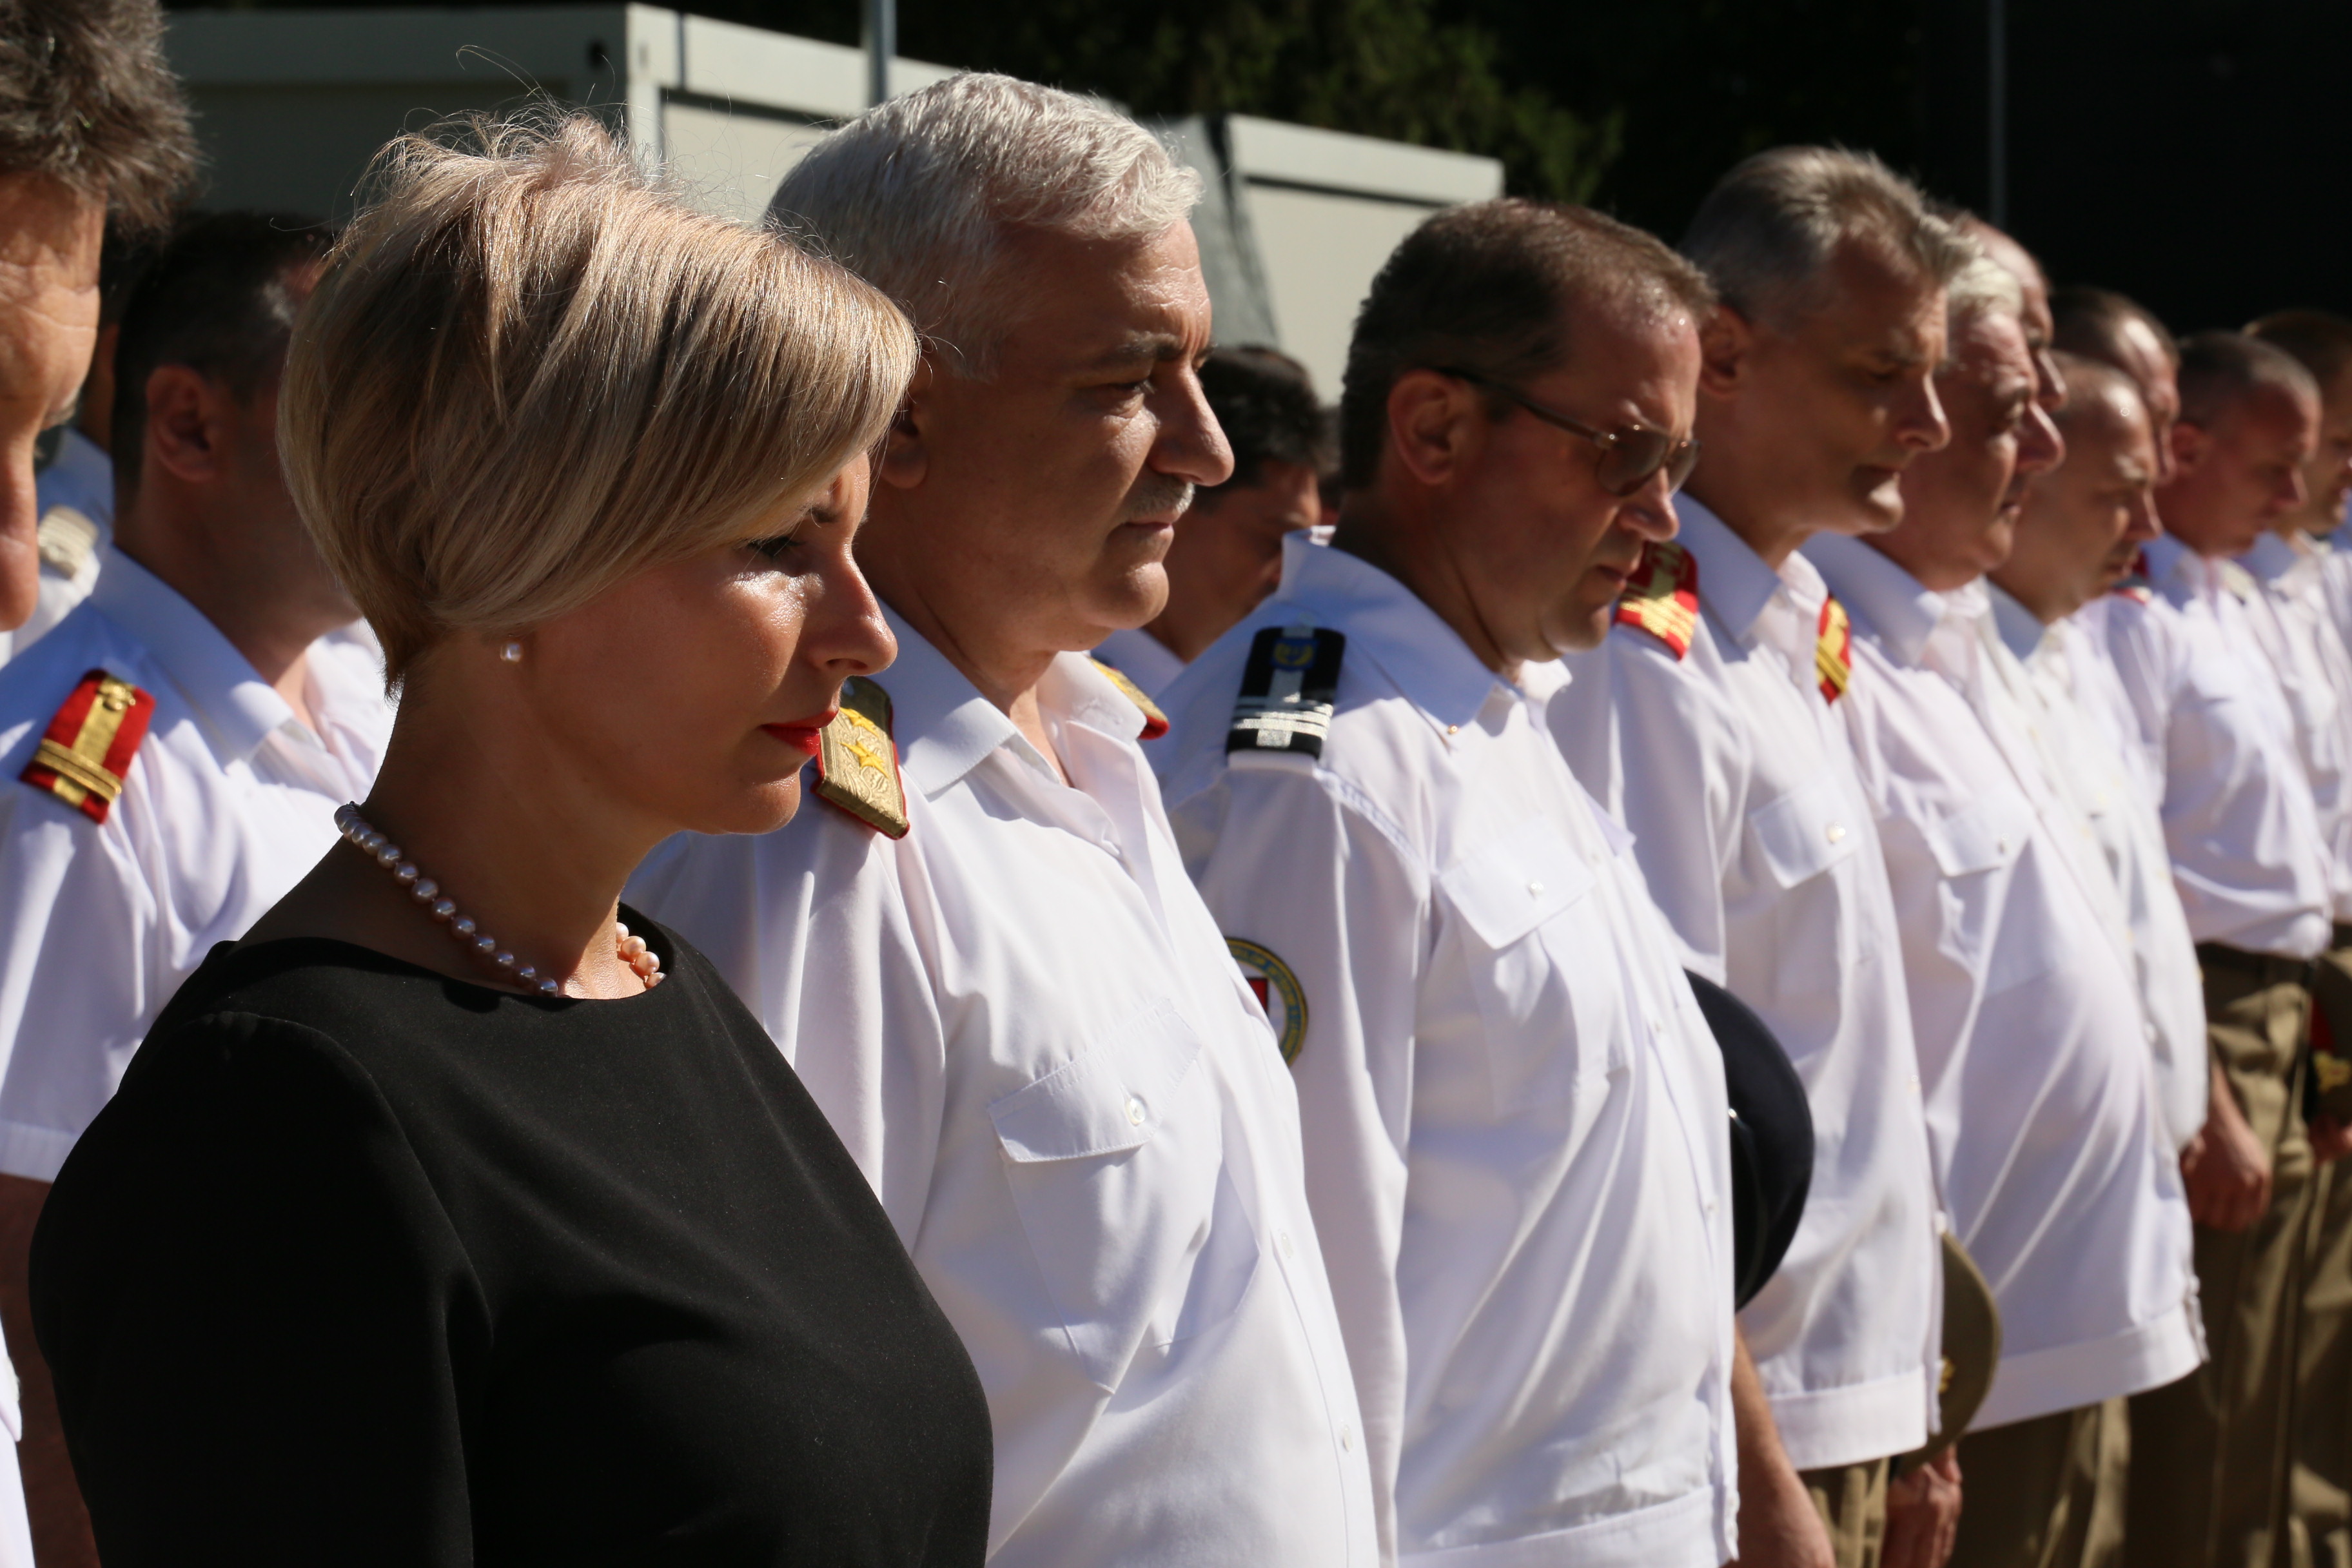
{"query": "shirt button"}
(1286, 1249)
(1347, 1439)
(1134, 1111)
(1454, 729)
(2001, 846)
(1535, 889)
(1836, 832)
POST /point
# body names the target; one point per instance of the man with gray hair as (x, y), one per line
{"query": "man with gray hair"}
(1717, 739)
(2052, 1163)
(1015, 1009)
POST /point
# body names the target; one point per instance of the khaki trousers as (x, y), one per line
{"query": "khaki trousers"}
(2210, 1453)
(2045, 1493)
(1852, 1501)
(2319, 1493)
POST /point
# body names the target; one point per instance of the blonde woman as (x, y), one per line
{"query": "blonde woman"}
(457, 1214)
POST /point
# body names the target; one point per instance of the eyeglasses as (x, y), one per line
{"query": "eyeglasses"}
(1631, 454)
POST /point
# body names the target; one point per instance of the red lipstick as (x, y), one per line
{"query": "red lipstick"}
(802, 735)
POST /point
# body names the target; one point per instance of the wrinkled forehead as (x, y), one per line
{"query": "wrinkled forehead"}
(1074, 298)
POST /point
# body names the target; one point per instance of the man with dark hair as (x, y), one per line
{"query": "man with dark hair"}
(2208, 1466)
(1513, 1113)
(1227, 553)
(1717, 741)
(2102, 325)
(176, 749)
(91, 121)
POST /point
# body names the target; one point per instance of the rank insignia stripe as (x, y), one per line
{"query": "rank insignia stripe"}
(1290, 689)
(858, 761)
(84, 757)
(1833, 650)
(1155, 723)
(1661, 598)
(2135, 584)
(1277, 991)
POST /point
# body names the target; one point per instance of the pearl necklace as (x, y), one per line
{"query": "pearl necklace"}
(631, 947)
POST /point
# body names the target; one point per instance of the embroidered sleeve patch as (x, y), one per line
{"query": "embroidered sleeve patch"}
(1833, 650)
(1155, 723)
(85, 754)
(1277, 991)
(1290, 688)
(1662, 597)
(857, 761)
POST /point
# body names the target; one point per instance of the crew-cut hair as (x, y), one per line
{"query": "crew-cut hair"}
(2218, 369)
(531, 372)
(917, 196)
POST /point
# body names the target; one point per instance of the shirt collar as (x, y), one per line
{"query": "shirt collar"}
(944, 728)
(2020, 630)
(1388, 624)
(236, 708)
(2166, 557)
(2272, 558)
(1884, 599)
(1733, 583)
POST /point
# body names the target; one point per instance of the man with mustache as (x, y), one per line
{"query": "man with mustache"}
(2053, 1167)
(1514, 1115)
(2209, 1471)
(1720, 749)
(987, 964)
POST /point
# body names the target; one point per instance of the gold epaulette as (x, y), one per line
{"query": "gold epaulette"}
(85, 754)
(1834, 649)
(1155, 723)
(857, 761)
(1662, 597)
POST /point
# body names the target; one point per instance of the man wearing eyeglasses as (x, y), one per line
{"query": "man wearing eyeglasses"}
(1513, 1114)
(1709, 722)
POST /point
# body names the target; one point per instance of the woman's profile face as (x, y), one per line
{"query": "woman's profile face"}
(692, 693)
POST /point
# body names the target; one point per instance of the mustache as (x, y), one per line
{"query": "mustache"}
(1155, 495)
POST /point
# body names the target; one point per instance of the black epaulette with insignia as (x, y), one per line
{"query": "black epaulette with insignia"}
(1155, 723)
(85, 754)
(1289, 689)
(1661, 598)
(857, 761)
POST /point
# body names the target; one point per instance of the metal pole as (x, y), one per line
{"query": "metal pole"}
(1996, 111)
(881, 45)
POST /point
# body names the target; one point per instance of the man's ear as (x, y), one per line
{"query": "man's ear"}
(1435, 423)
(905, 456)
(1726, 342)
(2191, 444)
(188, 419)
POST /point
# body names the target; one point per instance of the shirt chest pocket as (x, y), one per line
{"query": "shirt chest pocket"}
(1804, 833)
(1975, 846)
(1117, 1164)
(1541, 964)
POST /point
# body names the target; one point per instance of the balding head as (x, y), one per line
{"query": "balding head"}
(2102, 325)
(2249, 422)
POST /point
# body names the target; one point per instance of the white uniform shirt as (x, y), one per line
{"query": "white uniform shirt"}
(2296, 625)
(1141, 657)
(1736, 778)
(81, 479)
(2239, 818)
(229, 803)
(1515, 1115)
(1028, 1033)
(2042, 1115)
(2061, 660)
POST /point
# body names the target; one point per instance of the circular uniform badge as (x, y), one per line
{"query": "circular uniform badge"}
(1277, 991)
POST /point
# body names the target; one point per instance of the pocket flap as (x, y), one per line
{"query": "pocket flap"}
(1105, 1099)
(1990, 832)
(1516, 881)
(1805, 832)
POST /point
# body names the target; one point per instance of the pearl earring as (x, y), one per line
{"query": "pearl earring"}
(511, 653)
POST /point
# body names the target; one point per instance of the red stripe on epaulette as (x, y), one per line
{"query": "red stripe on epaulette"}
(1661, 598)
(85, 754)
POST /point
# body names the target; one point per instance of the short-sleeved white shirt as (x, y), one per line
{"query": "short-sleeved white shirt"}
(2239, 818)
(1029, 1034)
(2294, 622)
(1515, 1115)
(1733, 773)
(2074, 686)
(2059, 1176)
(229, 803)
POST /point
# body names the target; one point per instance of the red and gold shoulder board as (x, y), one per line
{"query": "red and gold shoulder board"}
(2135, 585)
(1834, 649)
(1155, 723)
(857, 761)
(85, 754)
(1662, 597)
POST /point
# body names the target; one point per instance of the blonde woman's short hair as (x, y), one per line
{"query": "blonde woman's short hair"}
(530, 372)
